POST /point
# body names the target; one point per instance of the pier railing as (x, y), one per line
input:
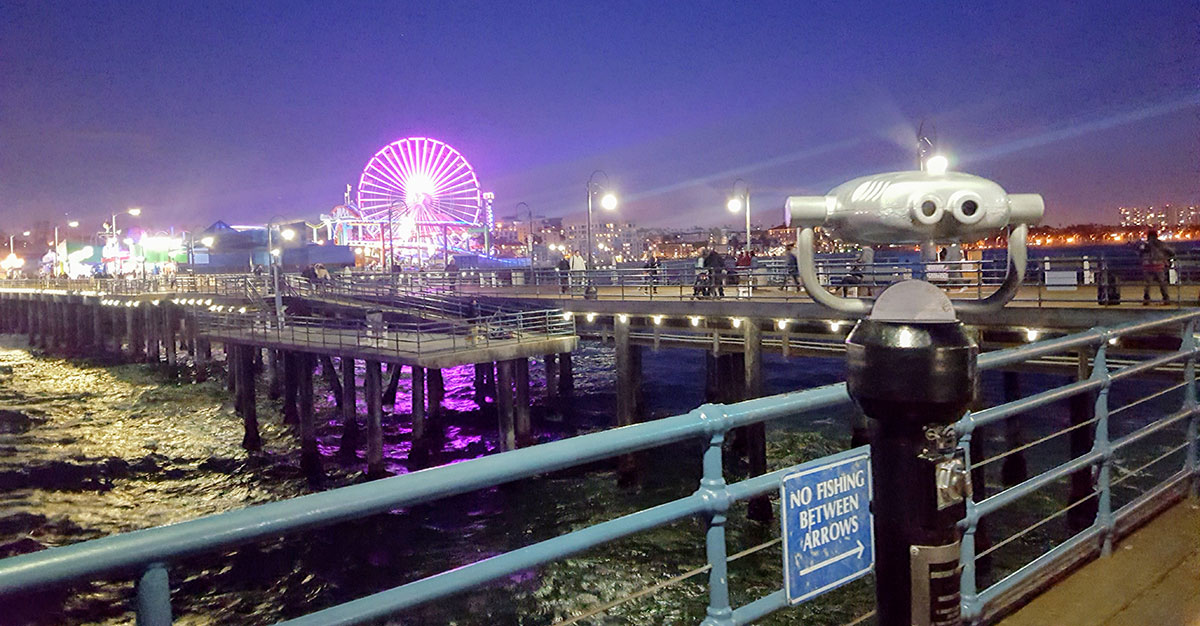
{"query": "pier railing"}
(425, 338)
(244, 286)
(1136, 429)
(1048, 281)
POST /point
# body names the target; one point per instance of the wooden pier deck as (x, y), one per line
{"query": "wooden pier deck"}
(1152, 578)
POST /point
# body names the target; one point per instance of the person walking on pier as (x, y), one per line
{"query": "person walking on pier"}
(793, 267)
(564, 270)
(1155, 256)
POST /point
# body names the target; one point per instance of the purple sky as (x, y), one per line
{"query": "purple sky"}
(244, 110)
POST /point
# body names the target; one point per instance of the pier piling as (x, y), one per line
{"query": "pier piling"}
(371, 389)
(504, 396)
(310, 457)
(349, 444)
(521, 400)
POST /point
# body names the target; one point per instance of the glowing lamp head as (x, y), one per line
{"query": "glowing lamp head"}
(937, 165)
(287, 234)
(73, 223)
(608, 202)
(207, 241)
(135, 212)
(275, 252)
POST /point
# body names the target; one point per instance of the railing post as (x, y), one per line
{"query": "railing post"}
(967, 584)
(1104, 516)
(1192, 462)
(154, 596)
(712, 486)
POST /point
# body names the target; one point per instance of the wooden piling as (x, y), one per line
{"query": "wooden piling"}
(310, 456)
(371, 389)
(759, 508)
(394, 371)
(1013, 468)
(349, 444)
(418, 404)
(291, 382)
(551, 376)
(524, 427)
(169, 336)
(504, 395)
(437, 392)
(246, 400)
(566, 376)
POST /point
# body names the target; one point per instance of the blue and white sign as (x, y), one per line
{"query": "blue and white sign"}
(828, 538)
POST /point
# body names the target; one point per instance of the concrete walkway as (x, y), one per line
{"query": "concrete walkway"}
(1151, 579)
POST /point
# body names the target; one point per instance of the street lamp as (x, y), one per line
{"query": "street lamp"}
(741, 201)
(608, 202)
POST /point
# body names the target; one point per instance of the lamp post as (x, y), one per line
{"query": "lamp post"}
(608, 202)
(276, 266)
(741, 201)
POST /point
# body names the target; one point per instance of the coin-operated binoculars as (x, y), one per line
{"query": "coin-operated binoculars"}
(912, 368)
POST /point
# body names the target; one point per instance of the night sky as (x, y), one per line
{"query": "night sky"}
(200, 111)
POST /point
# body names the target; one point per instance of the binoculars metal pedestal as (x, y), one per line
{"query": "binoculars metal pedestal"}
(912, 370)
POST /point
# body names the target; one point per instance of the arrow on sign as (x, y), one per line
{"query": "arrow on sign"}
(857, 552)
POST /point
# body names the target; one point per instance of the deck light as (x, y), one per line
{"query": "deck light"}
(834, 325)
(781, 324)
(737, 322)
(695, 320)
(1032, 334)
(657, 319)
(623, 318)
(591, 317)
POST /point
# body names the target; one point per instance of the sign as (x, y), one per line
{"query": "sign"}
(828, 537)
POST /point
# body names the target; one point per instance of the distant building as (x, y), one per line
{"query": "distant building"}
(1164, 216)
(610, 240)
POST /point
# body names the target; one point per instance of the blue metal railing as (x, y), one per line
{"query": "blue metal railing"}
(151, 551)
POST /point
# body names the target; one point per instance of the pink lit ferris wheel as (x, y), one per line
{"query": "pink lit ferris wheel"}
(423, 191)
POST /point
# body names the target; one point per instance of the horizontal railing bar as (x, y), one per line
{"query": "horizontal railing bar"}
(1020, 490)
(1040, 440)
(993, 414)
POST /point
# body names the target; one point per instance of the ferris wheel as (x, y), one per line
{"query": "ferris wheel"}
(420, 186)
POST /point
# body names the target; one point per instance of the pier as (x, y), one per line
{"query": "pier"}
(388, 325)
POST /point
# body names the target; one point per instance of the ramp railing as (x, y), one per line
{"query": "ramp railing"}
(1148, 427)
